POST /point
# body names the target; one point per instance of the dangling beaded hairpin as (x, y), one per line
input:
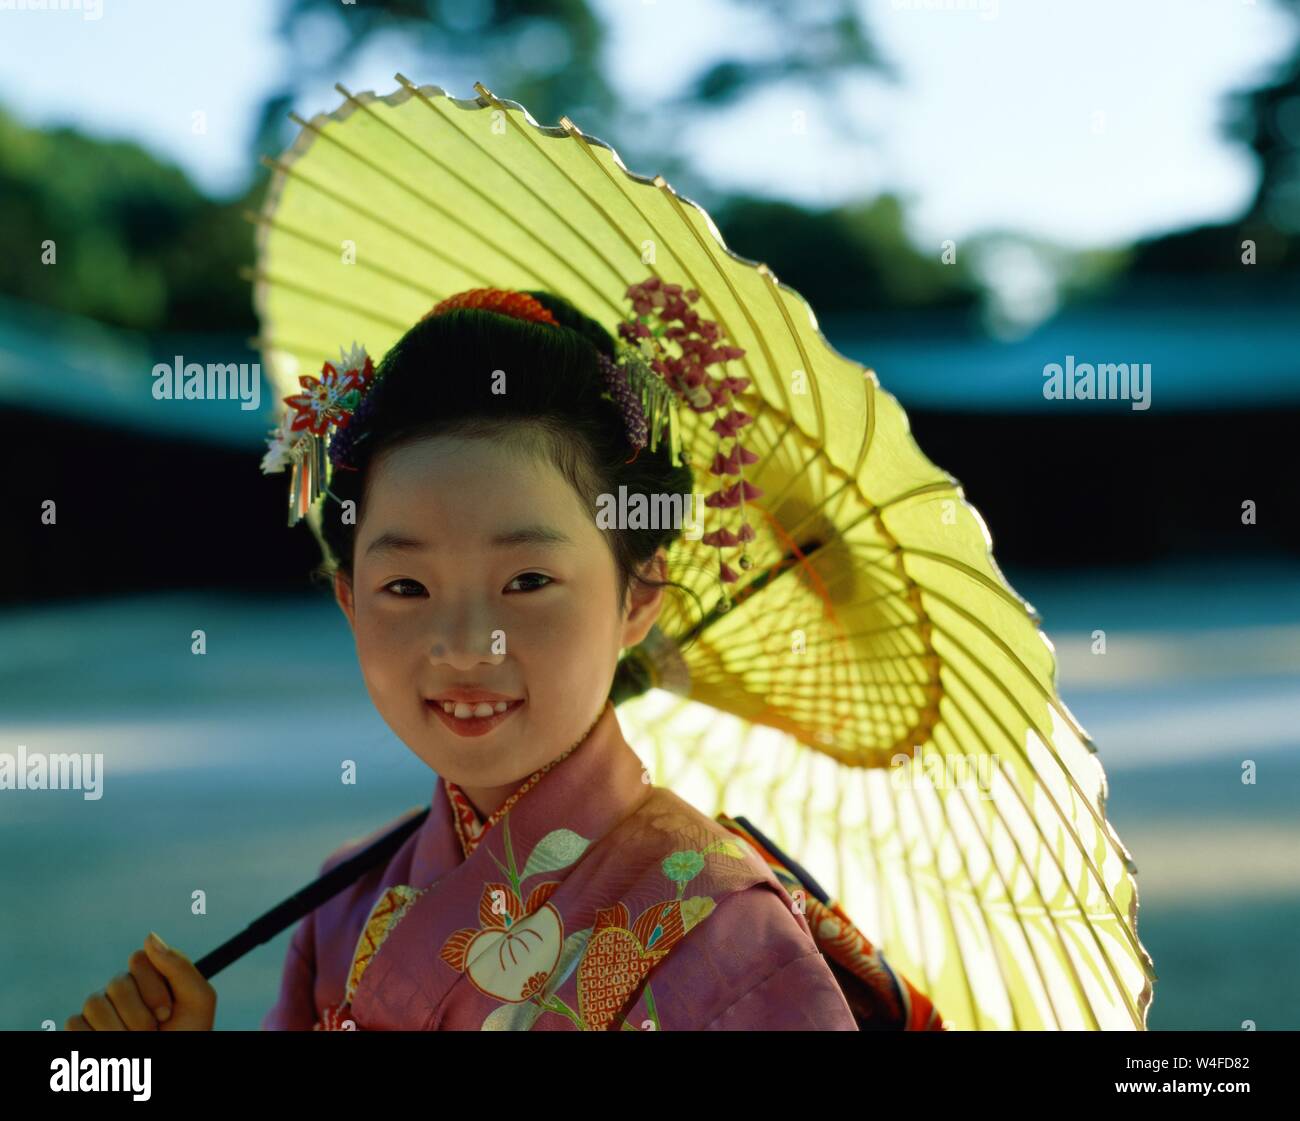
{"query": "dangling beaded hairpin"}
(656, 381)
(644, 380)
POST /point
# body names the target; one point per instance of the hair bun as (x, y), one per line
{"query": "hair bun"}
(569, 316)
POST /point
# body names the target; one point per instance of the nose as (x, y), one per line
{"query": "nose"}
(465, 638)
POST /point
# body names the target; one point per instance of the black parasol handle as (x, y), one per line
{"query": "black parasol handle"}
(307, 899)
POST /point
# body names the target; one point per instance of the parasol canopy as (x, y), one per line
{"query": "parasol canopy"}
(871, 690)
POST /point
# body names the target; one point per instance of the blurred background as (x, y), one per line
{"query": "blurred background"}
(964, 191)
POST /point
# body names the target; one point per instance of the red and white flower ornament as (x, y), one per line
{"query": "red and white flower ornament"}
(324, 407)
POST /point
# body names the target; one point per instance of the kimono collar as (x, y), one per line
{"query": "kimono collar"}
(469, 824)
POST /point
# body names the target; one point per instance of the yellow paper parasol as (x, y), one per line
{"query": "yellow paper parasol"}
(876, 697)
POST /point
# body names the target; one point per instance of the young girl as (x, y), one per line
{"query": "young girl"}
(552, 885)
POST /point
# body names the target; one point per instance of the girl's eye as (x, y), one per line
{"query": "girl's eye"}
(538, 575)
(418, 588)
(404, 595)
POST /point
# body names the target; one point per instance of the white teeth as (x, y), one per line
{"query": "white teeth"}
(463, 711)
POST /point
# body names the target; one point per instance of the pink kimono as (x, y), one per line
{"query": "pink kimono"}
(591, 900)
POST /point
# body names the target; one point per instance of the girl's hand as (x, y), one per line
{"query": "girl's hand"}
(161, 992)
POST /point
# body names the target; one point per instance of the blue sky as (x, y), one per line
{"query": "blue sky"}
(1085, 121)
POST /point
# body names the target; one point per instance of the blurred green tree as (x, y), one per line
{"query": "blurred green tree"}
(134, 242)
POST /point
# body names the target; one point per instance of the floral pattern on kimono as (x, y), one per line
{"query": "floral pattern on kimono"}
(565, 915)
(547, 940)
(515, 953)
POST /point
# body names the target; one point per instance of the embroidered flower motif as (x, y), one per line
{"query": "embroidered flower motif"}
(696, 909)
(535, 984)
(517, 946)
(683, 866)
(620, 953)
(519, 953)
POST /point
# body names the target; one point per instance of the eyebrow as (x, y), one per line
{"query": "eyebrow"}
(510, 539)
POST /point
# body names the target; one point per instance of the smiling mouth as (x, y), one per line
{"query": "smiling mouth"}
(472, 724)
(463, 710)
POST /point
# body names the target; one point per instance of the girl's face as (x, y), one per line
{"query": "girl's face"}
(438, 603)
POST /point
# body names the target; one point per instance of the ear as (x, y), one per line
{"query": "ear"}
(343, 597)
(643, 603)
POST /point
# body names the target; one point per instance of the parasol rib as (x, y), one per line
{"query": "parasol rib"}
(447, 215)
(406, 237)
(331, 250)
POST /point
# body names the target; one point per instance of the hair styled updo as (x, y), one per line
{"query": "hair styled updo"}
(437, 380)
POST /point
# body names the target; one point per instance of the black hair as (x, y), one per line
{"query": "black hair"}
(438, 380)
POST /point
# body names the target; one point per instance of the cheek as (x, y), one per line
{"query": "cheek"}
(573, 629)
(385, 648)
(557, 626)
